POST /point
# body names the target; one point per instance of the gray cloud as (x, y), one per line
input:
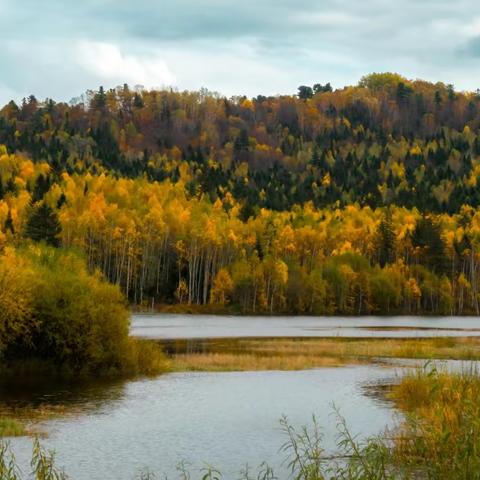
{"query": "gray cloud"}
(252, 46)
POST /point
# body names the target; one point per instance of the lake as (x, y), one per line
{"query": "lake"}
(168, 326)
(226, 419)
(114, 430)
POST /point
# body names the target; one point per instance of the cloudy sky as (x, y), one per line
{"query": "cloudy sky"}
(60, 48)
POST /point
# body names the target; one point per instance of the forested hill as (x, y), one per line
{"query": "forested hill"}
(355, 201)
(386, 140)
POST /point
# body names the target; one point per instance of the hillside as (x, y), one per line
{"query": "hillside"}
(358, 200)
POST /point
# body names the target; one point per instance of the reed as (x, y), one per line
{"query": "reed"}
(297, 354)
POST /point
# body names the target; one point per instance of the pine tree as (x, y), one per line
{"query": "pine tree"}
(43, 225)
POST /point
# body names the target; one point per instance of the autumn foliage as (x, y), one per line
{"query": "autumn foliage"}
(355, 201)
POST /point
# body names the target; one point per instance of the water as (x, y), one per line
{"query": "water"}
(167, 326)
(226, 419)
(114, 430)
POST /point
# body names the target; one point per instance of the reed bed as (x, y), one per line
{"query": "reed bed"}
(297, 354)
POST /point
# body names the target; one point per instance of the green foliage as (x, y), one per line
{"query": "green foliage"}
(427, 236)
(11, 428)
(386, 240)
(43, 225)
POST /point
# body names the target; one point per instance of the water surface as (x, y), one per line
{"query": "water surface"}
(168, 326)
(226, 419)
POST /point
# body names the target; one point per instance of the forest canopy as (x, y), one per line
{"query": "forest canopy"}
(351, 201)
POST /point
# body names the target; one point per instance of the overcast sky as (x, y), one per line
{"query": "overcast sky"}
(60, 48)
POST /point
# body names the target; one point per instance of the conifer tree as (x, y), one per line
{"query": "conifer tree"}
(428, 236)
(386, 240)
(9, 223)
(43, 225)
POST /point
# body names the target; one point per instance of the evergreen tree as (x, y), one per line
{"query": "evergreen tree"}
(9, 223)
(386, 240)
(42, 186)
(11, 186)
(61, 201)
(43, 225)
(428, 236)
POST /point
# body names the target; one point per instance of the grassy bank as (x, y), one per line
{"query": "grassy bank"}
(298, 354)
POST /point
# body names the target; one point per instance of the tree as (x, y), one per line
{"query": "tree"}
(304, 92)
(386, 240)
(222, 288)
(427, 237)
(9, 223)
(42, 185)
(319, 88)
(43, 225)
(403, 93)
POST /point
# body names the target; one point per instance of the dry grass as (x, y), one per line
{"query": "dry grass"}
(225, 362)
(441, 432)
(297, 354)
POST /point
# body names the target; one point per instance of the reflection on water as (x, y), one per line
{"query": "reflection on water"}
(226, 419)
(167, 326)
(29, 396)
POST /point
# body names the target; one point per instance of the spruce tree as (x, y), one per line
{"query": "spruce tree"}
(386, 240)
(43, 225)
(42, 185)
(428, 236)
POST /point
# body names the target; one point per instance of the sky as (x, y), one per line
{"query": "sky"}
(60, 48)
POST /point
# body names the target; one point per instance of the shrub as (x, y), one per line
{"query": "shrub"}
(66, 315)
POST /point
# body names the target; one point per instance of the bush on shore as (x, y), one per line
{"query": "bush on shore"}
(54, 310)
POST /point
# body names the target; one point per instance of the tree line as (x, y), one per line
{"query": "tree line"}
(161, 245)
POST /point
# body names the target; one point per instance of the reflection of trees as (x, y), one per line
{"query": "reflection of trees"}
(32, 395)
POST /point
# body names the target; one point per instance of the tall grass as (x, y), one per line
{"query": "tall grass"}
(42, 464)
(441, 433)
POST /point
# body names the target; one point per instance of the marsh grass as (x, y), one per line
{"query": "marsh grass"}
(441, 433)
(10, 427)
(298, 354)
(42, 464)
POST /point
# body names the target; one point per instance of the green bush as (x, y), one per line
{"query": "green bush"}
(68, 316)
